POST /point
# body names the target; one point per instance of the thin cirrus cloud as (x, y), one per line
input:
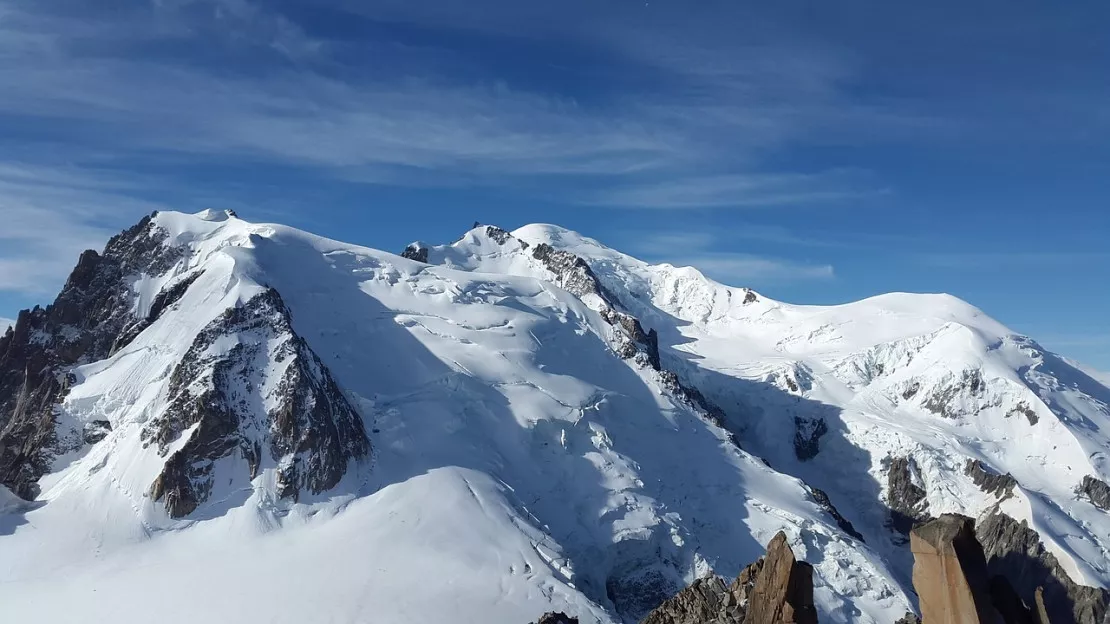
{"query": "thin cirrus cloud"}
(91, 94)
(304, 109)
(702, 250)
(48, 215)
(741, 190)
(740, 269)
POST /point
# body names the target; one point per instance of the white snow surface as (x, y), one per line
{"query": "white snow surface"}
(520, 466)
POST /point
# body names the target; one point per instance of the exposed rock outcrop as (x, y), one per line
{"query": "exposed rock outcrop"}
(905, 498)
(556, 617)
(823, 500)
(1025, 410)
(949, 400)
(311, 432)
(84, 324)
(1014, 550)
(573, 274)
(709, 599)
(950, 573)
(630, 340)
(807, 436)
(165, 299)
(776, 589)
(783, 591)
(996, 572)
(1001, 485)
(416, 251)
(1096, 491)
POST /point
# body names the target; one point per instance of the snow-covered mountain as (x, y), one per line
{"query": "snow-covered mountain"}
(222, 421)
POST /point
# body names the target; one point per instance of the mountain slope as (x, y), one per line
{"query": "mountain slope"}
(897, 407)
(298, 429)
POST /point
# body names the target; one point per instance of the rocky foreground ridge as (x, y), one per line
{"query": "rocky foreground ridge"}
(954, 582)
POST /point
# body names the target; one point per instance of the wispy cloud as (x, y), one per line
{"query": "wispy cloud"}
(310, 109)
(741, 190)
(744, 269)
(49, 214)
(88, 93)
(5, 323)
(704, 252)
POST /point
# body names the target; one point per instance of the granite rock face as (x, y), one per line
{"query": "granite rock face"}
(905, 498)
(90, 319)
(310, 432)
(946, 400)
(1096, 491)
(807, 436)
(416, 251)
(783, 592)
(1006, 579)
(823, 500)
(307, 429)
(776, 589)
(1001, 485)
(1015, 551)
(950, 573)
(709, 600)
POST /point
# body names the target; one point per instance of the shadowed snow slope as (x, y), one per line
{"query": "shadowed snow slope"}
(521, 458)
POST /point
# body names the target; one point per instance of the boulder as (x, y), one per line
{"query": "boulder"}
(1096, 491)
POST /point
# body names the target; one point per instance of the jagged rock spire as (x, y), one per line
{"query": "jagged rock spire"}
(951, 578)
(776, 589)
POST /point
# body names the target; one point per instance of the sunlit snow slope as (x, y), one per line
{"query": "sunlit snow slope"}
(924, 377)
(527, 453)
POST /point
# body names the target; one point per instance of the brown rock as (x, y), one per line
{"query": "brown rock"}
(775, 589)
(950, 573)
(783, 592)
(705, 600)
(1040, 614)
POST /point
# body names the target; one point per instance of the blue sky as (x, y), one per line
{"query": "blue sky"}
(818, 152)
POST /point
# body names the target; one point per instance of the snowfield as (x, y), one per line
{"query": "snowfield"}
(519, 465)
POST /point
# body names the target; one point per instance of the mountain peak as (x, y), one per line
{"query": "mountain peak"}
(555, 425)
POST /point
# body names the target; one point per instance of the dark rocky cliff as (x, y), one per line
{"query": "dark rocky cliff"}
(311, 433)
(275, 405)
(88, 321)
